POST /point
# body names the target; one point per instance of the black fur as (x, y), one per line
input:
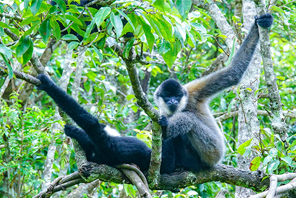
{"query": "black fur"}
(180, 149)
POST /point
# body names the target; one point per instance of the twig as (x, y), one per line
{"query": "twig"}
(17, 18)
(23, 76)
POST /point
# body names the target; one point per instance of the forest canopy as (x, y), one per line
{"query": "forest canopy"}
(110, 56)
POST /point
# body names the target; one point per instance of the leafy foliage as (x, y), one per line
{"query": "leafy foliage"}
(175, 41)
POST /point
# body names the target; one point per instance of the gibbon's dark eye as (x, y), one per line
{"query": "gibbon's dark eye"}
(166, 98)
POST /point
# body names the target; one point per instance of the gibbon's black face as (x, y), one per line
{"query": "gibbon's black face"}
(170, 97)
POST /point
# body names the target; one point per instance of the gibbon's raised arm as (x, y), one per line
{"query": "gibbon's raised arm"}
(231, 75)
(84, 119)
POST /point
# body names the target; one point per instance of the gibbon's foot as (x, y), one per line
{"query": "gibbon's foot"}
(264, 20)
(69, 130)
(85, 169)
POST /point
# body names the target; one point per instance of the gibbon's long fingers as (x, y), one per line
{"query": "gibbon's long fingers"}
(84, 119)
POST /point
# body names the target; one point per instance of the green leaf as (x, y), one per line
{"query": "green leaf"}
(183, 6)
(135, 108)
(101, 15)
(23, 46)
(3, 25)
(72, 45)
(148, 33)
(117, 24)
(1, 32)
(130, 97)
(5, 51)
(99, 54)
(89, 28)
(159, 4)
(288, 160)
(74, 19)
(281, 78)
(171, 55)
(56, 30)
(242, 148)
(24, 49)
(70, 37)
(102, 41)
(199, 27)
(162, 27)
(127, 18)
(29, 20)
(45, 30)
(267, 159)
(255, 163)
(28, 54)
(182, 32)
(128, 47)
(10, 70)
(273, 166)
(35, 6)
(62, 5)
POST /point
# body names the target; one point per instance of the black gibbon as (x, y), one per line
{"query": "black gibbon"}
(192, 140)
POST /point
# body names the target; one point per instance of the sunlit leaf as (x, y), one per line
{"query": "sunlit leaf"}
(117, 24)
(242, 148)
(254, 165)
(35, 6)
(183, 6)
(45, 30)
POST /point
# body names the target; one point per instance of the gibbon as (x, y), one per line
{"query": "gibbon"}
(192, 140)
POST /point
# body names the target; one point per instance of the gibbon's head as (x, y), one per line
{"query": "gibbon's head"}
(170, 97)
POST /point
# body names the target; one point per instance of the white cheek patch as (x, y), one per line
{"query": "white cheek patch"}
(163, 108)
(182, 104)
(110, 131)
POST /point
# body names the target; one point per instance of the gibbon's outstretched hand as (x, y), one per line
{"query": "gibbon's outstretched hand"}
(192, 140)
(185, 112)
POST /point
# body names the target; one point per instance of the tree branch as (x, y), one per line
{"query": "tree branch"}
(22, 75)
(174, 181)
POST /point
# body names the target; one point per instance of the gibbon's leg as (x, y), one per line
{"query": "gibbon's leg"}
(82, 138)
(110, 150)
(168, 160)
(231, 75)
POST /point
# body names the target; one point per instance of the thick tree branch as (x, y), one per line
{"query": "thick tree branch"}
(155, 162)
(174, 181)
(140, 95)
